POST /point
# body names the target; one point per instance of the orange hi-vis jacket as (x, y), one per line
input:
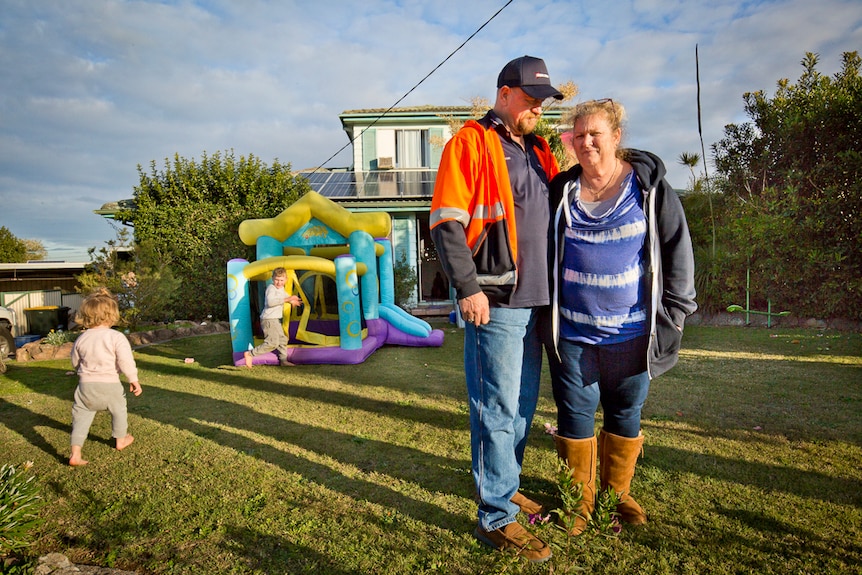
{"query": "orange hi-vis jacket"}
(473, 211)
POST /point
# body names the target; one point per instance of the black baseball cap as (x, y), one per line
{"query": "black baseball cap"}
(531, 75)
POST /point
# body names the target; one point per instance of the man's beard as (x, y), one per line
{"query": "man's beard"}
(527, 125)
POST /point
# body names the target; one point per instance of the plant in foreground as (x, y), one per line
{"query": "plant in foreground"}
(605, 519)
(571, 495)
(603, 522)
(20, 503)
(539, 519)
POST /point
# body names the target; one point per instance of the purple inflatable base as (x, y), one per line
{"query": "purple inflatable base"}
(380, 332)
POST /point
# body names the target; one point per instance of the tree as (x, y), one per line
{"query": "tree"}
(690, 160)
(12, 250)
(479, 106)
(139, 276)
(189, 214)
(550, 133)
(405, 282)
(792, 178)
(35, 250)
(702, 225)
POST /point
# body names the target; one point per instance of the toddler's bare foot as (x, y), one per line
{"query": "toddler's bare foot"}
(124, 442)
(76, 461)
(247, 357)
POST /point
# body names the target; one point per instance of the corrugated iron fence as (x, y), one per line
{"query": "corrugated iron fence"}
(21, 301)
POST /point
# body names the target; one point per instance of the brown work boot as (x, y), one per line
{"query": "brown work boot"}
(513, 537)
(527, 505)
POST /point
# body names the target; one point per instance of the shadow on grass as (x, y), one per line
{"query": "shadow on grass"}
(781, 539)
(129, 526)
(209, 417)
(809, 484)
(27, 423)
(236, 377)
(741, 541)
(266, 553)
(214, 420)
(117, 527)
(437, 370)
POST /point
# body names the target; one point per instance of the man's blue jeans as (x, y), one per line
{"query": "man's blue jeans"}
(503, 364)
(614, 374)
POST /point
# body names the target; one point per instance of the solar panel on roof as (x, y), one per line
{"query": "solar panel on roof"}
(316, 178)
(383, 184)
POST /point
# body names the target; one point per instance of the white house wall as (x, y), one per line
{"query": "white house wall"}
(385, 144)
(357, 152)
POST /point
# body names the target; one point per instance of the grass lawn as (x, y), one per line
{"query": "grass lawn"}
(752, 464)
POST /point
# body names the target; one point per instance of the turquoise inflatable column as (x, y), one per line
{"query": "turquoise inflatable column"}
(362, 248)
(386, 270)
(239, 307)
(268, 247)
(349, 318)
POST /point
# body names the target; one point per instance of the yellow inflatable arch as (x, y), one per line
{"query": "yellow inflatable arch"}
(261, 270)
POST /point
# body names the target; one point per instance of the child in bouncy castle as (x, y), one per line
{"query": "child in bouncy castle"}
(271, 319)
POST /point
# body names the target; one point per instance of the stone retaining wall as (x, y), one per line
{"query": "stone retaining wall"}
(759, 320)
(39, 350)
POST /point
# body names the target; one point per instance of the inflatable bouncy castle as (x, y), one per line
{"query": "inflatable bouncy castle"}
(340, 265)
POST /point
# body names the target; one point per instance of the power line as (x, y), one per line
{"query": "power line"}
(428, 75)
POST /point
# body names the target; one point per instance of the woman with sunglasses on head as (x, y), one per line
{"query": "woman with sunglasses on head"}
(622, 284)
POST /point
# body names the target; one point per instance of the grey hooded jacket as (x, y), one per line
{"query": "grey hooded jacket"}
(669, 258)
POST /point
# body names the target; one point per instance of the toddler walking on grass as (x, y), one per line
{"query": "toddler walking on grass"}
(99, 355)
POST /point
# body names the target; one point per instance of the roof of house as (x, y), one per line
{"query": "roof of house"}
(424, 114)
(41, 266)
(416, 110)
(40, 275)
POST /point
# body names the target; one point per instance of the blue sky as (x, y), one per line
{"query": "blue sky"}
(93, 88)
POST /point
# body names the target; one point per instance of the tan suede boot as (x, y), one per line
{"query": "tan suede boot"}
(617, 458)
(580, 456)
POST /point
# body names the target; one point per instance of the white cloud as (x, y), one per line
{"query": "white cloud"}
(92, 89)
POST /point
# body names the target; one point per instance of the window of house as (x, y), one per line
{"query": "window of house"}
(412, 149)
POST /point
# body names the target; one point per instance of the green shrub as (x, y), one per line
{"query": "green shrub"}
(189, 212)
(138, 275)
(405, 281)
(60, 337)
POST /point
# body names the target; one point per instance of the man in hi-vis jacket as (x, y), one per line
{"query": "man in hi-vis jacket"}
(489, 222)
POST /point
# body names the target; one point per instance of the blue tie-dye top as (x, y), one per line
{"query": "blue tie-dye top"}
(603, 290)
